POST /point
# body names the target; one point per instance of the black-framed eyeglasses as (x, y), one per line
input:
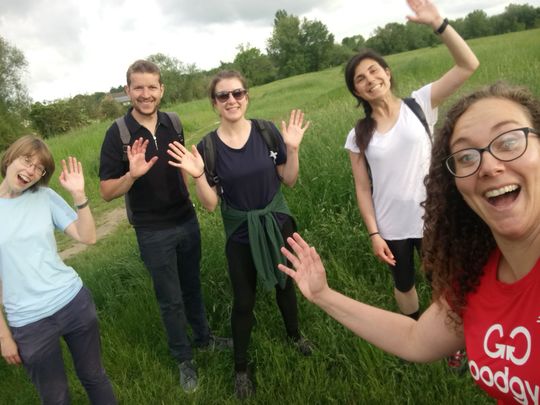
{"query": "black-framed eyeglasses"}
(505, 147)
(27, 162)
(223, 96)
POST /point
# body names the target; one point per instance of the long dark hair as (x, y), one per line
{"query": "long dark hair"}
(364, 126)
(457, 242)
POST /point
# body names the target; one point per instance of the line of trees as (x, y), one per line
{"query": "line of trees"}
(395, 38)
(296, 46)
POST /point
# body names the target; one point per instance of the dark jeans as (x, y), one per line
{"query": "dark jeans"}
(243, 277)
(404, 270)
(172, 256)
(41, 352)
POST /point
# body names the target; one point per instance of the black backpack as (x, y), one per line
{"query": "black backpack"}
(417, 110)
(268, 132)
(125, 136)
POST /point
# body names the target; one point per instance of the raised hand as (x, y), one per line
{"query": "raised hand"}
(310, 275)
(192, 162)
(293, 132)
(425, 13)
(72, 177)
(138, 166)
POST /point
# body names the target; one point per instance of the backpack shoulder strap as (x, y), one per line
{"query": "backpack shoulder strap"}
(177, 124)
(209, 158)
(269, 134)
(125, 136)
(417, 110)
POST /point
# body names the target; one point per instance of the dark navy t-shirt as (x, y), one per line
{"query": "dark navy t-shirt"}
(248, 175)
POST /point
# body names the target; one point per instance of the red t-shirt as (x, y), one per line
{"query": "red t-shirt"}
(502, 334)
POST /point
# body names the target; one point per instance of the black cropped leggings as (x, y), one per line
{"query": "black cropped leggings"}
(404, 270)
(244, 283)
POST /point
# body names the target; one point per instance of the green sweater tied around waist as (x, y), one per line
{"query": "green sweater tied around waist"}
(265, 238)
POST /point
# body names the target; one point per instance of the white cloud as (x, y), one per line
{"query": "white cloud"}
(82, 47)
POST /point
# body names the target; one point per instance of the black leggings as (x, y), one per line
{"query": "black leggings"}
(403, 271)
(244, 282)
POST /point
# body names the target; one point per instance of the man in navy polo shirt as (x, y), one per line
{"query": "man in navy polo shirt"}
(162, 214)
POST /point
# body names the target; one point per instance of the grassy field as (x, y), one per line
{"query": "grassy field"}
(344, 369)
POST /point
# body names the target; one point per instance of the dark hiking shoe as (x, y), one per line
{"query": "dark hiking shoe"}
(188, 376)
(243, 386)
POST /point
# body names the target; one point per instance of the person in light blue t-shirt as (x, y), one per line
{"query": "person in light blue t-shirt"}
(43, 298)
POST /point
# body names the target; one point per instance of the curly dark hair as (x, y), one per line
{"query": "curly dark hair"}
(365, 127)
(457, 242)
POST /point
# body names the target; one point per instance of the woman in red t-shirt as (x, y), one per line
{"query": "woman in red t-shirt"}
(482, 244)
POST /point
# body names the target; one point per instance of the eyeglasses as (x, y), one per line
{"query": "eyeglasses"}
(27, 162)
(505, 147)
(223, 96)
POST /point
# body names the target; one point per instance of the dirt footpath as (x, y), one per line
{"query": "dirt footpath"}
(109, 222)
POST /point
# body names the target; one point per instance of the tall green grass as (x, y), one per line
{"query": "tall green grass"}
(344, 369)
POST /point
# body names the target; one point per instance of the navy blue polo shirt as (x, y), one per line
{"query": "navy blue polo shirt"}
(159, 199)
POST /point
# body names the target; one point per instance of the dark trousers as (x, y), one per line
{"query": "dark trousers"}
(41, 352)
(404, 270)
(244, 282)
(172, 256)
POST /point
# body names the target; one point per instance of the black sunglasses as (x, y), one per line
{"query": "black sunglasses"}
(223, 96)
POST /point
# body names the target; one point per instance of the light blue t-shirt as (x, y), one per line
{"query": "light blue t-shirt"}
(36, 282)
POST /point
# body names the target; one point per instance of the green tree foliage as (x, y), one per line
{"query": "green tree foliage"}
(182, 82)
(57, 118)
(171, 72)
(516, 18)
(110, 108)
(297, 47)
(90, 104)
(340, 54)
(317, 44)
(284, 46)
(117, 89)
(395, 38)
(14, 99)
(354, 43)
(256, 67)
(477, 24)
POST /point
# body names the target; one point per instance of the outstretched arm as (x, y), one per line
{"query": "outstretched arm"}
(293, 133)
(465, 61)
(138, 166)
(83, 229)
(192, 163)
(428, 339)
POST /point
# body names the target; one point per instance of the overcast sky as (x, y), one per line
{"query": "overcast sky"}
(80, 47)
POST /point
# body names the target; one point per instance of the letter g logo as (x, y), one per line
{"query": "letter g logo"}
(507, 352)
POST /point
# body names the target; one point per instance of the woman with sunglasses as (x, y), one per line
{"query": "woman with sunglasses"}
(255, 214)
(481, 247)
(389, 151)
(43, 298)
